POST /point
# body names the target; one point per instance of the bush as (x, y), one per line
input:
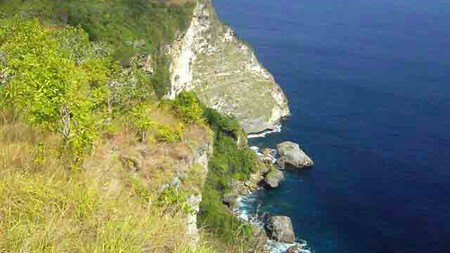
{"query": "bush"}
(228, 162)
(175, 197)
(130, 27)
(166, 134)
(52, 85)
(141, 121)
(188, 107)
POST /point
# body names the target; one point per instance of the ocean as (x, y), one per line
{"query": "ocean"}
(368, 83)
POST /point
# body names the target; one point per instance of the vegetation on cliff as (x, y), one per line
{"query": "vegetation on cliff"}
(129, 27)
(229, 162)
(76, 174)
(89, 153)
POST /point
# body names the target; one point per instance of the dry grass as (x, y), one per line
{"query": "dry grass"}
(105, 207)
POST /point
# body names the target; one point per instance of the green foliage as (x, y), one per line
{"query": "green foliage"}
(62, 79)
(140, 119)
(166, 134)
(56, 80)
(222, 124)
(131, 27)
(129, 87)
(161, 78)
(229, 162)
(140, 189)
(173, 196)
(218, 218)
(188, 107)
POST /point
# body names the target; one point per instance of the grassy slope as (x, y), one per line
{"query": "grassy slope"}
(110, 205)
(106, 207)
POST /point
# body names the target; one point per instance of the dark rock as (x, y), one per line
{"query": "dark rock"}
(274, 178)
(291, 153)
(281, 163)
(229, 199)
(279, 228)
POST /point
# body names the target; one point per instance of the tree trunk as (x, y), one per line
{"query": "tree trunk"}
(65, 120)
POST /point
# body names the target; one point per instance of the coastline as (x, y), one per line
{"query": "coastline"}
(247, 206)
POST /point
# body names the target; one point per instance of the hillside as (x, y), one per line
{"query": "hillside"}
(225, 73)
(93, 158)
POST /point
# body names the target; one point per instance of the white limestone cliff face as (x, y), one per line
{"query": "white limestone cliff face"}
(201, 159)
(224, 73)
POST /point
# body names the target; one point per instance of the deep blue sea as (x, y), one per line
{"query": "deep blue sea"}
(369, 88)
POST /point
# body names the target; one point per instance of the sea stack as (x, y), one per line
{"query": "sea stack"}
(279, 228)
(290, 153)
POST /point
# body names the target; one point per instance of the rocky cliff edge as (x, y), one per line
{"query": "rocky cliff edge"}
(224, 73)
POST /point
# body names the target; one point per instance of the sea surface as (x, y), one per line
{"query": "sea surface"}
(369, 88)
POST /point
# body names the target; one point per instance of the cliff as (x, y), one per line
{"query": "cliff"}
(224, 73)
(91, 159)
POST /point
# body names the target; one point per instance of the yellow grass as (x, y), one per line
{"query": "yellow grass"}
(104, 207)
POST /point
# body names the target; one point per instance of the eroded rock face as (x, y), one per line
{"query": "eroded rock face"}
(294, 249)
(225, 73)
(279, 228)
(290, 153)
(274, 178)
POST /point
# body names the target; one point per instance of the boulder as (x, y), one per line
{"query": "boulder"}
(294, 249)
(279, 228)
(274, 178)
(281, 161)
(229, 199)
(265, 168)
(290, 153)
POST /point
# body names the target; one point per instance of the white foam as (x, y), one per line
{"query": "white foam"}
(276, 129)
(246, 205)
(280, 247)
(272, 157)
(243, 210)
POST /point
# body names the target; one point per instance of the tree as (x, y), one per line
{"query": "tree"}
(54, 81)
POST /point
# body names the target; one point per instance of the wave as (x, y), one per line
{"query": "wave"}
(248, 211)
(276, 129)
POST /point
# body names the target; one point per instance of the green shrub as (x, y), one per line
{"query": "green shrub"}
(141, 120)
(130, 27)
(52, 85)
(173, 196)
(228, 162)
(188, 107)
(166, 134)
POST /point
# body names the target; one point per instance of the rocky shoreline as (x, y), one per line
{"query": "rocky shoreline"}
(275, 230)
(210, 60)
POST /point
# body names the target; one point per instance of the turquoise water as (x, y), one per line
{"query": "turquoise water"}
(369, 88)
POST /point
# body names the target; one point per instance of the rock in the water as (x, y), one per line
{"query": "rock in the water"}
(281, 163)
(279, 228)
(294, 249)
(274, 178)
(265, 168)
(291, 153)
